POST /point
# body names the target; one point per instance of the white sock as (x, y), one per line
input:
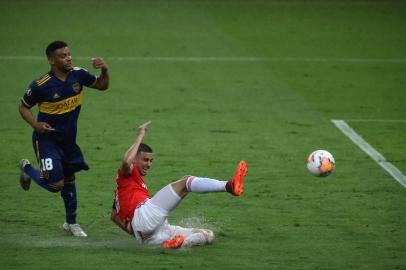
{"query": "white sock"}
(204, 185)
(199, 238)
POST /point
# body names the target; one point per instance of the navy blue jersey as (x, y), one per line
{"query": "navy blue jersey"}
(59, 102)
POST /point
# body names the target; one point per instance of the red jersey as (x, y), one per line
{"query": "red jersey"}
(131, 192)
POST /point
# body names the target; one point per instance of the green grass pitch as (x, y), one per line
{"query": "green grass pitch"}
(221, 81)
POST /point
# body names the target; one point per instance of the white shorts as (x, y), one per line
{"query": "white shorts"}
(151, 226)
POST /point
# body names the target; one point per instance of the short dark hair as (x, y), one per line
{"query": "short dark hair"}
(53, 46)
(144, 148)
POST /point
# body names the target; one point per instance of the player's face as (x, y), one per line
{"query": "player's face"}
(61, 59)
(143, 162)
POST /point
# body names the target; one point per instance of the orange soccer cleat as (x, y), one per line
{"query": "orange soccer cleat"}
(238, 179)
(175, 242)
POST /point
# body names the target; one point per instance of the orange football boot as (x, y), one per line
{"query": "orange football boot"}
(173, 243)
(238, 178)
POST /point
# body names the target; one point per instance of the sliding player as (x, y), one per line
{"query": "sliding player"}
(138, 214)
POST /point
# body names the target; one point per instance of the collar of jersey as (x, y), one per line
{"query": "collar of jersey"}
(52, 74)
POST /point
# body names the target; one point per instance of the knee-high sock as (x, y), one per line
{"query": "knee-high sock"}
(68, 193)
(36, 176)
(204, 185)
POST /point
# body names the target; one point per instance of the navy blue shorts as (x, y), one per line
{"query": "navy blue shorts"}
(57, 160)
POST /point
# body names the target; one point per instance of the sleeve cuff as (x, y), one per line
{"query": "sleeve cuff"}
(25, 103)
(94, 83)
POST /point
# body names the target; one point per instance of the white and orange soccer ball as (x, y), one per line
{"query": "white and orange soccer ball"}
(321, 163)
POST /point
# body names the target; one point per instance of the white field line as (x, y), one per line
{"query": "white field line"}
(378, 120)
(367, 148)
(219, 59)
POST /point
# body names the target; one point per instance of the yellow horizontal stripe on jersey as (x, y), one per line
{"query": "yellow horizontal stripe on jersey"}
(62, 106)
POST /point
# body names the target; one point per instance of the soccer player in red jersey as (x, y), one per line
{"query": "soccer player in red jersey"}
(138, 214)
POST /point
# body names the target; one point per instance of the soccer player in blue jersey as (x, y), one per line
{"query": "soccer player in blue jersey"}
(59, 95)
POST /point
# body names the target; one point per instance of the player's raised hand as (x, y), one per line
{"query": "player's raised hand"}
(99, 63)
(143, 128)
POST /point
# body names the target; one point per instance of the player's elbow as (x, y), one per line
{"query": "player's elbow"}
(103, 87)
(126, 166)
(113, 216)
(20, 110)
(24, 110)
(21, 107)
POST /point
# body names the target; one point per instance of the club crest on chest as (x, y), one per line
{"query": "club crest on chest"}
(76, 87)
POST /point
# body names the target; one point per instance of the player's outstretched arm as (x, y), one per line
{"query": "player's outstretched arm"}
(103, 80)
(129, 156)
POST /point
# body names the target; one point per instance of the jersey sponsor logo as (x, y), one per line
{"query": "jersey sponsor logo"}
(62, 106)
(76, 87)
(56, 96)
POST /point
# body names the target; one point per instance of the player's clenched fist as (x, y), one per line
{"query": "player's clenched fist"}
(99, 63)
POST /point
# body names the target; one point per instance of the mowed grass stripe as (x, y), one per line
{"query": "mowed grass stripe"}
(378, 120)
(220, 59)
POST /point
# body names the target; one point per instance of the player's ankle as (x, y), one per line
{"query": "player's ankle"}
(229, 186)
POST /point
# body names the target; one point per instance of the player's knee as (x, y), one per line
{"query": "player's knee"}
(180, 186)
(69, 180)
(113, 216)
(185, 180)
(57, 186)
(182, 180)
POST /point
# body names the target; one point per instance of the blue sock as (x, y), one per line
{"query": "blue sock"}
(68, 193)
(35, 175)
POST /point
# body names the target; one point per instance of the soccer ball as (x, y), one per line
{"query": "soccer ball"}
(320, 163)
